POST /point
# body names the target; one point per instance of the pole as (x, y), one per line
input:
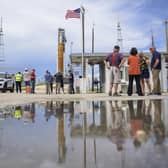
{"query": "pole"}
(152, 38)
(83, 38)
(93, 39)
(92, 77)
(166, 28)
(92, 55)
(83, 44)
(71, 46)
(2, 58)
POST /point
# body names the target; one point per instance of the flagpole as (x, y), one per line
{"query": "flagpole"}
(92, 55)
(83, 44)
(83, 37)
(93, 38)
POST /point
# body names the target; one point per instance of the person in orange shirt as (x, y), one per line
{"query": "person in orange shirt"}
(134, 72)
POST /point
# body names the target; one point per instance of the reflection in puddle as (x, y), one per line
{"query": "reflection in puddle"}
(85, 134)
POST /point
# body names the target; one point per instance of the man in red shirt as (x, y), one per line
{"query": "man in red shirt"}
(33, 80)
(113, 62)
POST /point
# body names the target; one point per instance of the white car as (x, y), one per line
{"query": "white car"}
(7, 83)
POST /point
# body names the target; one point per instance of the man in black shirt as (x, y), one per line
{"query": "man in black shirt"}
(71, 82)
(59, 81)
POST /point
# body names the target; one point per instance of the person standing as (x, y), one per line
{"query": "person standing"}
(18, 80)
(134, 72)
(155, 68)
(71, 82)
(51, 82)
(47, 81)
(113, 62)
(59, 79)
(145, 75)
(62, 83)
(26, 79)
(33, 80)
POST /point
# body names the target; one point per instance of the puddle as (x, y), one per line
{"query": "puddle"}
(119, 134)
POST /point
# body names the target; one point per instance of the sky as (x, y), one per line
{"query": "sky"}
(31, 28)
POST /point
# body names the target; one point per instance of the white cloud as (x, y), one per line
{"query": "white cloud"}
(31, 26)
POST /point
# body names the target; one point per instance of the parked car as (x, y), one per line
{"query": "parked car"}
(7, 83)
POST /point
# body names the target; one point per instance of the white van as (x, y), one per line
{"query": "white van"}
(7, 83)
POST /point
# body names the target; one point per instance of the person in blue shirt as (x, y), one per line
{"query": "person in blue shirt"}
(47, 78)
(155, 68)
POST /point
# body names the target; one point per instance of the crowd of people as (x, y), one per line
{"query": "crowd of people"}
(59, 80)
(29, 79)
(138, 70)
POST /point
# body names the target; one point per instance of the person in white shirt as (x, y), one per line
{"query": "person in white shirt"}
(26, 78)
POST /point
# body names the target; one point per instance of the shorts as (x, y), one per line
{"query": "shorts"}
(58, 85)
(145, 74)
(115, 76)
(27, 83)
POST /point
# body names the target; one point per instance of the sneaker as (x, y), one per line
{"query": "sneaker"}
(156, 94)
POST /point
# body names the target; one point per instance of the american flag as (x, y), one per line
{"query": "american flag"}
(73, 13)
